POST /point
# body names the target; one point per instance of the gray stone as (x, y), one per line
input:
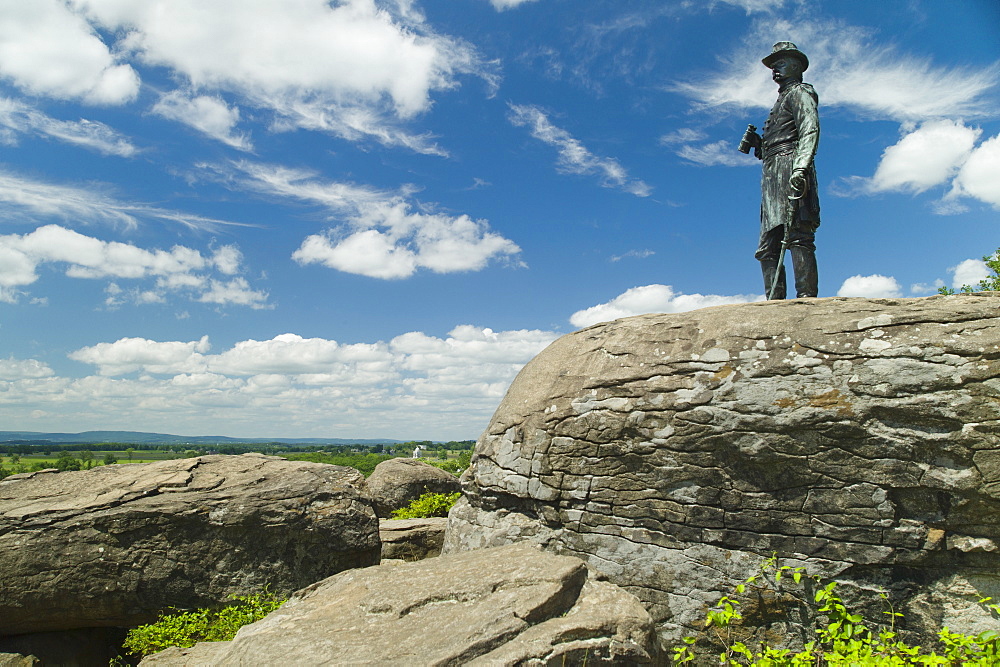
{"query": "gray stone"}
(397, 482)
(505, 606)
(857, 437)
(412, 539)
(114, 545)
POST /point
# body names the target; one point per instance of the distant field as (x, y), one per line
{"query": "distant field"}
(137, 457)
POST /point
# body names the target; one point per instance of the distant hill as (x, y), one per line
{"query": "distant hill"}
(140, 438)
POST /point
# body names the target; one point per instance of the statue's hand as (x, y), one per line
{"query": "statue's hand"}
(797, 183)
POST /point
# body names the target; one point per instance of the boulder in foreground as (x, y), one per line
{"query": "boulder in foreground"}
(115, 545)
(502, 606)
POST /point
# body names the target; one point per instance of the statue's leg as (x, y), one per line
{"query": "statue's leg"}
(802, 245)
(767, 267)
(806, 275)
(767, 255)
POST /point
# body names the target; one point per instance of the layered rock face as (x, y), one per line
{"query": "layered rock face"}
(114, 545)
(397, 482)
(412, 539)
(675, 452)
(512, 605)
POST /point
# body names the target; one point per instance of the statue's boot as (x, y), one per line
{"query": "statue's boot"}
(768, 267)
(806, 276)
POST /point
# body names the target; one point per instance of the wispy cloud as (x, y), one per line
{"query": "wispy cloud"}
(636, 254)
(501, 5)
(849, 68)
(718, 153)
(20, 118)
(89, 205)
(574, 157)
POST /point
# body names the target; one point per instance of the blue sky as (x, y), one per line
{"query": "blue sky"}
(359, 218)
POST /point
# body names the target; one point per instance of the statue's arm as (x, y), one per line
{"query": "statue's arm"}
(803, 105)
(805, 109)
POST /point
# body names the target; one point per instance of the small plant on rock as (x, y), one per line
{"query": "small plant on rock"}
(187, 628)
(843, 638)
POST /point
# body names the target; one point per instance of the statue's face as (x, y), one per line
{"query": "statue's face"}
(786, 69)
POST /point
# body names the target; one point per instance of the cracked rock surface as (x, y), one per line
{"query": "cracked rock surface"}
(860, 437)
(114, 545)
(511, 605)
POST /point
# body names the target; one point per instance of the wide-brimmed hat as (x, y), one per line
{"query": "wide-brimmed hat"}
(786, 49)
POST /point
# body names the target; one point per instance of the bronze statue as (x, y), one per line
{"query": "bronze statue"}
(789, 208)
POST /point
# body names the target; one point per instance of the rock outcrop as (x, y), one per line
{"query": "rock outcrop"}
(674, 453)
(114, 545)
(504, 606)
(397, 482)
(412, 539)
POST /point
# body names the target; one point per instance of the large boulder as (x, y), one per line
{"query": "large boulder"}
(114, 545)
(397, 482)
(508, 606)
(856, 437)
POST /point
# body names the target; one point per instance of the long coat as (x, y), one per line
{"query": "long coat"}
(790, 138)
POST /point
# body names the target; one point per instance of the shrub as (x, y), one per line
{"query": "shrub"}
(990, 283)
(843, 638)
(187, 628)
(364, 462)
(428, 505)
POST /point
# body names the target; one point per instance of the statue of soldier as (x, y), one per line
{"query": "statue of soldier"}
(789, 208)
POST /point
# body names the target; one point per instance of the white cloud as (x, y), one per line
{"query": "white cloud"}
(652, 299)
(417, 385)
(934, 154)
(20, 369)
(925, 288)
(353, 68)
(127, 355)
(849, 68)
(979, 177)
(207, 114)
(20, 118)
(874, 286)
(574, 157)
(928, 156)
(968, 272)
(236, 291)
(368, 253)
(501, 5)
(46, 49)
(404, 242)
(180, 268)
(384, 237)
(20, 196)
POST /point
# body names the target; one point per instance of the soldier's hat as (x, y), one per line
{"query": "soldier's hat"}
(786, 49)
